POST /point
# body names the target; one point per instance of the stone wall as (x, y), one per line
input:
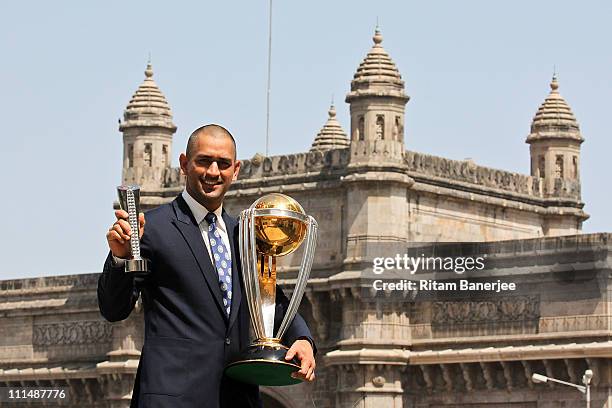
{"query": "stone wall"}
(376, 349)
(467, 348)
(52, 335)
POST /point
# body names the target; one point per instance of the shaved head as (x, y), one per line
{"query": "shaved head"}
(209, 165)
(213, 130)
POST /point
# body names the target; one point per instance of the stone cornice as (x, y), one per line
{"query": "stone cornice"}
(368, 356)
(512, 353)
(44, 373)
(522, 203)
(447, 342)
(149, 123)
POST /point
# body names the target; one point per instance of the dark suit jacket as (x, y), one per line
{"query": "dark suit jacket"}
(188, 337)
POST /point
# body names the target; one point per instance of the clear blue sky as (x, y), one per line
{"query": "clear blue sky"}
(476, 72)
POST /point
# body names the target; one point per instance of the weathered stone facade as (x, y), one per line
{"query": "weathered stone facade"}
(372, 197)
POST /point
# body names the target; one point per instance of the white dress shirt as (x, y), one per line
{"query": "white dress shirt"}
(199, 212)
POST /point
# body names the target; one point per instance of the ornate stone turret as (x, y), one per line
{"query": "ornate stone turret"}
(377, 101)
(375, 218)
(555, 146)
(147, 136)
(332, 135)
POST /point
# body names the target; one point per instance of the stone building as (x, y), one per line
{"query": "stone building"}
(372, 197)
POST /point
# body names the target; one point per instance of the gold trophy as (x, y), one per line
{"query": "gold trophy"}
(274, 225)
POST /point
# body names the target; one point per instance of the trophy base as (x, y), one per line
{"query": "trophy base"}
(137, 267)
(264, 364)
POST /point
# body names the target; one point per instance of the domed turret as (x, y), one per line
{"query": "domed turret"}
(554, 119)
(332, 135)
(554, 142)
(377, 72)
(377, 103)
(148, 107)
(147, 135)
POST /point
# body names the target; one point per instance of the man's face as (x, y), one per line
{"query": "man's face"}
(210, 170)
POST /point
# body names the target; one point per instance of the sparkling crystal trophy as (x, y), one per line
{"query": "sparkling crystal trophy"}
(129, 201)
(275, 225)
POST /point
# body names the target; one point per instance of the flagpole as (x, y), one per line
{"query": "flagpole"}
(269, 76)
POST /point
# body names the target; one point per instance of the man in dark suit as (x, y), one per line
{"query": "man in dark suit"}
(196, 317)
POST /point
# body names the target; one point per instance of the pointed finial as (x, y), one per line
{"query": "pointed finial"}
(149, 70)
(554, 85)
(332, 111)
(377, 35)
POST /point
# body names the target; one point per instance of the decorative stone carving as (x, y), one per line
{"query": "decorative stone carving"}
(301, 163)
(427, 372)
(482, 311)
(567, 188)
(487, 374)
(314, 159)
(69, 333)
(573, 323)
(257, 160)
(466, 171)
(447, 376)
(173, 177)
(267, 165)
(467, 376)
(378, 381)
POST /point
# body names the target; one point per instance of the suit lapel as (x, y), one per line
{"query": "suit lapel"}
(193, 236)
(232, 234)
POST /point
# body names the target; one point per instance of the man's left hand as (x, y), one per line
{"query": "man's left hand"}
(303, 350)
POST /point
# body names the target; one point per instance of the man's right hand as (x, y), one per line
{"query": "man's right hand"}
(118, 235)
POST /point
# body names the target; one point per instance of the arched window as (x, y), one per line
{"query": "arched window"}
(575, 167)
(559, 167)
(164, 156)
(541, 166)
(398, 129)
(361, 129)
(130, 156)
(148, 159)
(380, 127)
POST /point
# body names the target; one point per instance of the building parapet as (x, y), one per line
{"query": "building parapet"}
(426, 170)
(423, 166)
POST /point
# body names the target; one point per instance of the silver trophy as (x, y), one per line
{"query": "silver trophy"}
(274, 225)
(129, 201)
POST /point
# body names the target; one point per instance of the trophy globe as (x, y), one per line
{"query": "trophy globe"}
(278, 236)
